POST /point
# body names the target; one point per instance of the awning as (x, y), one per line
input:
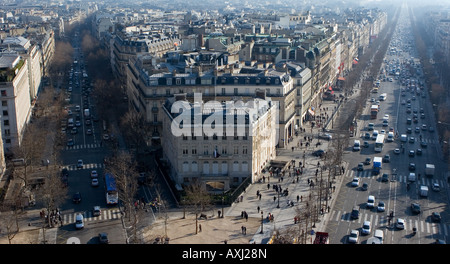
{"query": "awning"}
(341, 78)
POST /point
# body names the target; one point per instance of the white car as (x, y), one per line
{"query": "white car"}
(366, 228)
(355, 182)
(370, 201)
(400, 223)
(94, 182)
(354, 236)
(96, 211)
(79, 221)
(94, 174)
(80, 164)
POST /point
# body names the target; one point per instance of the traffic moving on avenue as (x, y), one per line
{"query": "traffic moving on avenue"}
(393, 194)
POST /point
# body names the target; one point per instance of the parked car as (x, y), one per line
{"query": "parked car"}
(353, 237)
(319, 153)
(76, 197)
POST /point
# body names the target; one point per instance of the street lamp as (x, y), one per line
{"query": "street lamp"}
(262, 222)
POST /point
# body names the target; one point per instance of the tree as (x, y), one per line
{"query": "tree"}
(135, 129)
(123, 167)
(198, 199)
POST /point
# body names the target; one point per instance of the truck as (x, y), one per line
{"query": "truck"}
(321, 238)
(423, 191)
(373, 111)
(377, 161)
(429, 170)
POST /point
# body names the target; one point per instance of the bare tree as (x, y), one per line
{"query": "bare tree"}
(123, 167)
(135, 129)
(198, 199)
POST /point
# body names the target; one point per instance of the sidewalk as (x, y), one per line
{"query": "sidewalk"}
(269, 202)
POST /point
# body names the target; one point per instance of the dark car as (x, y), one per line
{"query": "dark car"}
(415, 208)
(423, 144)
(435, 217)
(412, 166)
(76, 197)
(355, 213)
(385, 177)
(103, 238)
(319, 153)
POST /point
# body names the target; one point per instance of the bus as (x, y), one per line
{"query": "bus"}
(379, 143)
(112, 195)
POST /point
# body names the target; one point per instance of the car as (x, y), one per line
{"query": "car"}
(80, 164)
(387, 158)
(367, 135)
(94, 182)
(96, 211)
(412, 153)
(409, 130)
(70, 142)
(386, 117)
(319, 153)
(88, 132)
(79, 221)
(76, 197)
(353, 237)
(374, 135)
(355, 182)
(400, 223)
(431, 129)
(366, 228)
(422, 116)
(103, 238)
(385, 177)
(397, 151)
(77, 123)
(408, 111)
(412, 140)
(408, 121)
(423, 144)
(370, 202)
(436, 217)
(360, 166)
(105, 136)
(412, 166)
(365, 186)
(366, 144)
(325, 136)
(419, 151)
(415, 208)
(94, 174)
(355, 213)
(380, 206)
(73, 131)
(436, 187)
(417, 130)
(385, 123)
(424, 127)
(367, 161)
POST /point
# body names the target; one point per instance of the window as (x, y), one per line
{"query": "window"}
(236, 91)
(244, 150)
(4, 93)
(185, 151)
(7, 132)
(167, 91)
(169, 81)
(236, 150)
(6, 122)
(223, 91)
(194, 151)
(4, 103)
(224, 150)
(178, 81)
(5, 112)
(205, 150)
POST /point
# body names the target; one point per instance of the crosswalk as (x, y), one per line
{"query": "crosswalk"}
(110, 214)
(83, 146)
(398, 178)
(73, 167)
(381, 219)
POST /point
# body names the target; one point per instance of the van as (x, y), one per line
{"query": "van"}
(357, 145)
(403, 138)
(379, 234)
(79, 221)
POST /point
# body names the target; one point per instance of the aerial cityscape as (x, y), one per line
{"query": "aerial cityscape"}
(225, 122)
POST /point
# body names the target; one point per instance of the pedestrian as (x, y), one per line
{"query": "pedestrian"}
(200, 227)
(298, 198)
(258, 209)
(274, 198)
(268, 186)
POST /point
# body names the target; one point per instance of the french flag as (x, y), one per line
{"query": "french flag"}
(216, 153)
